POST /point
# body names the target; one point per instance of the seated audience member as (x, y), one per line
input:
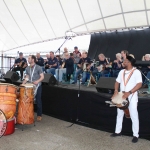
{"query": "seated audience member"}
(116, 67)
(65, 50)
(60, 61)
(124, 54)
(146, 69)
(76, 55)
(103, 66)
(40, 61)
(52, 64)
(80, 69)
(20, 64)
(45, 62)
(71, 55)
(67, 67)
(69, 62)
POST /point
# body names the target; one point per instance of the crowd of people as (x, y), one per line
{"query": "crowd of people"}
(129, 78)
(74, 64)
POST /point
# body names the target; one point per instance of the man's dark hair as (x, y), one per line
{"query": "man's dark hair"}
(33, 57)
(51, 52)
(71, 54)
(126, 52)
(132, 60)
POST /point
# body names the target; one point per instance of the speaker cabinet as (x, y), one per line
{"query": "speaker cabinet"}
(106, 85)
(11, 77)
(49, 79)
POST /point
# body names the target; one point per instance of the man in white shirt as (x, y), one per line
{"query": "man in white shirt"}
(129, 80)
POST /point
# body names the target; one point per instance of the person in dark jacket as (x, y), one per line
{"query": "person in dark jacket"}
(20, 64)
(116, 67)
(66, 67)
(69, 66)
(40, 61)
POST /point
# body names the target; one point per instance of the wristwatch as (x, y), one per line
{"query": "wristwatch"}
(130, 92)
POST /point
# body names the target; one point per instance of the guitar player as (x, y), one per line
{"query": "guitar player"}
(20, 64)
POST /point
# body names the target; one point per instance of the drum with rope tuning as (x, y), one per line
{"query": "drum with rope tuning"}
(26, 104)
(121, 103)
(8, 99)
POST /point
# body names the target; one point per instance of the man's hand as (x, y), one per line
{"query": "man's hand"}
(89, 67)
(50, 66)
(125, 95)
(36, 82)
(115, 93)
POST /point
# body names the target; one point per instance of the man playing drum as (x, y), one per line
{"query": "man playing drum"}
(34, 74)
(130, 80)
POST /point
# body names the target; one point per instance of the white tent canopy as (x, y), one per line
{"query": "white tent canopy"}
(23, 22)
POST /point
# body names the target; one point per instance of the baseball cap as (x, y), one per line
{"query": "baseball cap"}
(75, 47)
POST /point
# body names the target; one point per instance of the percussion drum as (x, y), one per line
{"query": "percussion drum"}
(10, 126)
(8, 99)
(25, 106)
(121, 103)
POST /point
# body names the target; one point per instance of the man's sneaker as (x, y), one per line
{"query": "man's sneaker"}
(135, 139)
(115, 134)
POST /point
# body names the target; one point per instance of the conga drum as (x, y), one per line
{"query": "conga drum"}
(8, 99)
(26, 105)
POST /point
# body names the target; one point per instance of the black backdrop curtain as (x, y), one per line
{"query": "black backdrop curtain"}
(137, 42)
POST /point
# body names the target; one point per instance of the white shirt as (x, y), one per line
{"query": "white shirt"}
(135, 78)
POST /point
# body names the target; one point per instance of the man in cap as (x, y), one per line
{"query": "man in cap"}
(40, 61)
(130, 81)
(20, 64)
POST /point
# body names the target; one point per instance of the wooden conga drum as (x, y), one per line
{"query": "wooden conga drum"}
(26, 105)
(8, 99)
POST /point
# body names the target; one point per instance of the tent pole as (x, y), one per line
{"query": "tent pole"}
(2, 61)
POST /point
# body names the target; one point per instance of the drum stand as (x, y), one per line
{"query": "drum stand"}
(33, 124)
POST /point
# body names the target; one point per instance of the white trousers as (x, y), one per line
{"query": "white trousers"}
(61, 72)
(133, 114)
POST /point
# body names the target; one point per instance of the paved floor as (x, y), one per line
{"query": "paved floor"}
(54, 134)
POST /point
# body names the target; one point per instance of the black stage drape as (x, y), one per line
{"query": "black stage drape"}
(135, 41)
(90, 109)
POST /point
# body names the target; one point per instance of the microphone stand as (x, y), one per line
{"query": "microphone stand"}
(11, 67)
(66, 39)
(146, 79)
(77, 119)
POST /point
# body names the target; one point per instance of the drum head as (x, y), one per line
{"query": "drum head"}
(28, 85)
(6, 84)
(118, 98)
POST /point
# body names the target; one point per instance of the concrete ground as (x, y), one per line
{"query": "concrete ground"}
(54, 134)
